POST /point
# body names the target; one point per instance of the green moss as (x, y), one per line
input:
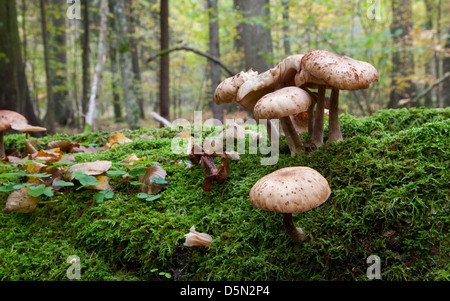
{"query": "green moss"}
(390, 198)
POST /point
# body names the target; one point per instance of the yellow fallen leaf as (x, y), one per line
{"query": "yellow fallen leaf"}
(132, 159)
(104, 184)
(20, 201)
(117, 139)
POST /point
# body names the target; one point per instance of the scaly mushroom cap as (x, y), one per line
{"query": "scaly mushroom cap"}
(226, 91)
(341, 72)
(290, 190)
(283, 102)
(281, 75)
(7, 117)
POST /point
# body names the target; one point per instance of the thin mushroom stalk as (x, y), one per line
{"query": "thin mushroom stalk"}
(293, 139)
(317, 136)
(334, 129)
(294, 233)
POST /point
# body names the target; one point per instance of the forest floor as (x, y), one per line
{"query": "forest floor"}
(389, 179)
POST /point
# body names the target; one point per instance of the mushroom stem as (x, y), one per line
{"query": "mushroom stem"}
(293, 139)
(317, 136)
(295, 233)
(2, 146)
(271, 129)
(334, 129)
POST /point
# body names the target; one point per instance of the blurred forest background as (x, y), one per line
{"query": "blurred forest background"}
(108, 64)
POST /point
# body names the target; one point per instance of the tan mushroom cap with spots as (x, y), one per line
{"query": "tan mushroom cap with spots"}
(290, 190)
(339, 71)
(281, 103)
(227, 90)
(282, 75)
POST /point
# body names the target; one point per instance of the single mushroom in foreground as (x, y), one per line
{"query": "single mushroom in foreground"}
(328, 70)
(281, 104)
(290, 190)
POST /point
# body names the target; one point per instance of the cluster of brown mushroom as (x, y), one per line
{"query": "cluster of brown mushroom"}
(285, 90)
(285, 93)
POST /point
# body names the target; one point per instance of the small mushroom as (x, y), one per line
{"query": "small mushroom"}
(6, 118)
(335, 72)
(197, 239)
(281, 104)
(290, 190)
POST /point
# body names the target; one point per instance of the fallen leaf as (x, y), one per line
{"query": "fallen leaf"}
(117, 139)
(90, 168)
(20, 201)
(104, 183)
(47, 156)
(150, 187)
(132, 159)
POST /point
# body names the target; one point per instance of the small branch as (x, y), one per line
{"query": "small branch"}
(429, 88)
(196, 51)
(161, 119)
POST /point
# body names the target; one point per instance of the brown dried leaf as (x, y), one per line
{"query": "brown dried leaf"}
(149, 186)
(90, 168)
(20, 201)
(48, 156)
(132, 159)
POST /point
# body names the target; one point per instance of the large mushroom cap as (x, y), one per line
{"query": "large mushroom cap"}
(290, 190)
(21, 126)
(226, 91)
(283, 102)
(281, 75)
(341, 72)
(7, 117)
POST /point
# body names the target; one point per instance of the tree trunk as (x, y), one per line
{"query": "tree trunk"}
(50, 107)
(286, 28)
(446, 68)
(13, 82)
(128, 86)
(164, 81)
(58, 47)
(92, 112)
(214, 50)
(402, 86)
(134, 57)
(256, 38)
(117, 107)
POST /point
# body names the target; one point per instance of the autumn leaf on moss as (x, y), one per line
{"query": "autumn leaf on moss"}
(133, 160)
(117, 139)
(21, 201)
(148, 179)
(89, 168)
(103, 184)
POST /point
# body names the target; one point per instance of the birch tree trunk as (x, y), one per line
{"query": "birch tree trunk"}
(92, 111)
